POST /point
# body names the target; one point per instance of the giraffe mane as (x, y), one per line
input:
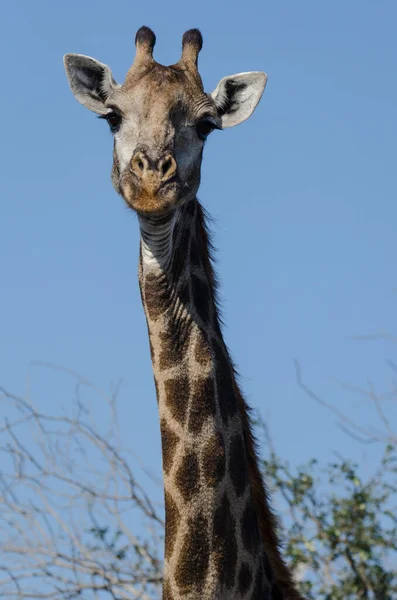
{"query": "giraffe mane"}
(268, 524)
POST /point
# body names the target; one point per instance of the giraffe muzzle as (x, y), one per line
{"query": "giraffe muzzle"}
(153, 174)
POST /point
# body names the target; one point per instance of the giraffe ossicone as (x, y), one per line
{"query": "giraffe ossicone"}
(220, 533)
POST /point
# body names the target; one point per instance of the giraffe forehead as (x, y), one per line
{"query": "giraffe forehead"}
(160, 92)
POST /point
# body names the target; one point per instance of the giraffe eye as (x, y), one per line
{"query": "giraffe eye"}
(204, 128)
(114, 120)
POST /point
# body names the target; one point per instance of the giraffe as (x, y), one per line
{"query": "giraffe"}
(220, 532)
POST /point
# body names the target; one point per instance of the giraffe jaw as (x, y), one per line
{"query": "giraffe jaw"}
(155, 199)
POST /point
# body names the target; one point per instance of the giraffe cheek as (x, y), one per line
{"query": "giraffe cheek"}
(188, 157)
(115, 176)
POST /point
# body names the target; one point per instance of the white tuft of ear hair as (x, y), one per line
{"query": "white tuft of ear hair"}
(237, 96)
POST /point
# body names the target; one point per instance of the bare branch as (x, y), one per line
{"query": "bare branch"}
(361, 433)
(68, 500)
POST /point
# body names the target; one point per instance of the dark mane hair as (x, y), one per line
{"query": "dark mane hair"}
(284, 587)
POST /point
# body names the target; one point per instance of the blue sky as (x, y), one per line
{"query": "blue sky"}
(303, 196)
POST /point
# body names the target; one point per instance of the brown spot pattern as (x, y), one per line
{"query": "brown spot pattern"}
(224, 543)
(214, 463)
(167, 595)
(187, 477)
(177, 396)
(156, 295)
(202, 404)
(244, 579)
(224, 384)
(202, 351)
(169, 443)
(172, 350)
(249, 529)
(276, 593)
(261, 587)
(237, 465)
(194, 556)
(268, 569)
(172, 521)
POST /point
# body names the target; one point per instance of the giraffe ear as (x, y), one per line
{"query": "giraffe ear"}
(91, 81)
(237, 96)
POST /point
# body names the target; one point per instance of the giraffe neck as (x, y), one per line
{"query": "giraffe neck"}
(214, 544)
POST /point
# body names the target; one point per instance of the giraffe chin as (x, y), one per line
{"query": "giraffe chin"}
(150, 201)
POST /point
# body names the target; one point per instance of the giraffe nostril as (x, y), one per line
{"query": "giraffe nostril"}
(139, 164)
(166, 166)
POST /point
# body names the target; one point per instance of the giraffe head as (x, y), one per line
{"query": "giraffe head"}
(160, 118)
